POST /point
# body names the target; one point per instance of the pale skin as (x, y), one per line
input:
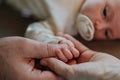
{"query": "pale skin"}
(105, 17)
(91, 65)
(67, 50)
(17, 58)
(106, 22)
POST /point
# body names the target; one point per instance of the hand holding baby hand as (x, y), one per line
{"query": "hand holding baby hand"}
(18, 56)
(67, 52)
(90, 65)
(63, 51)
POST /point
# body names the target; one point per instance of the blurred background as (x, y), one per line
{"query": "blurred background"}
(12, 23)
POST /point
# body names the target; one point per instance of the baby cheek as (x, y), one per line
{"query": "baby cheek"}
(99, 35)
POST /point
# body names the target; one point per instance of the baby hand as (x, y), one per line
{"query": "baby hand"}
(68, 50)
(64, 50)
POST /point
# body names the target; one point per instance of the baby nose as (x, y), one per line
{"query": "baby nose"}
(99, 25)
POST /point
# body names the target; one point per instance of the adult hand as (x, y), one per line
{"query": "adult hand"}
(91, 65)
(17, 59)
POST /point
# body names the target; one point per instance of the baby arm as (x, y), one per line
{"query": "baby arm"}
(43, 32)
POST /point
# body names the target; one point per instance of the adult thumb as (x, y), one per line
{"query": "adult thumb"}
(35, 49)
(59, 67)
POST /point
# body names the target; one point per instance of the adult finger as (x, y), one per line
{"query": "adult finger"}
(44, 75)
(57, 66)
(86, 56)
(35, 49)
(29, 72)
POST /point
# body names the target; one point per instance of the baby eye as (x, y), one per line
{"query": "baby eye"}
(105, 12)
(107, 34)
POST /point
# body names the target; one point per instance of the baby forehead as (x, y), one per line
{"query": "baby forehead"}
(114, 27)
(114, 11)
(114, 3)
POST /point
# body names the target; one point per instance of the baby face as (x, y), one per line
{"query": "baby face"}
(105, 15)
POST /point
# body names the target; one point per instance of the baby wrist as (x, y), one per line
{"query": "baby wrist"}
(47, 38)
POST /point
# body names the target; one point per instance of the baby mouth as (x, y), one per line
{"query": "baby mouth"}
(85, 27)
